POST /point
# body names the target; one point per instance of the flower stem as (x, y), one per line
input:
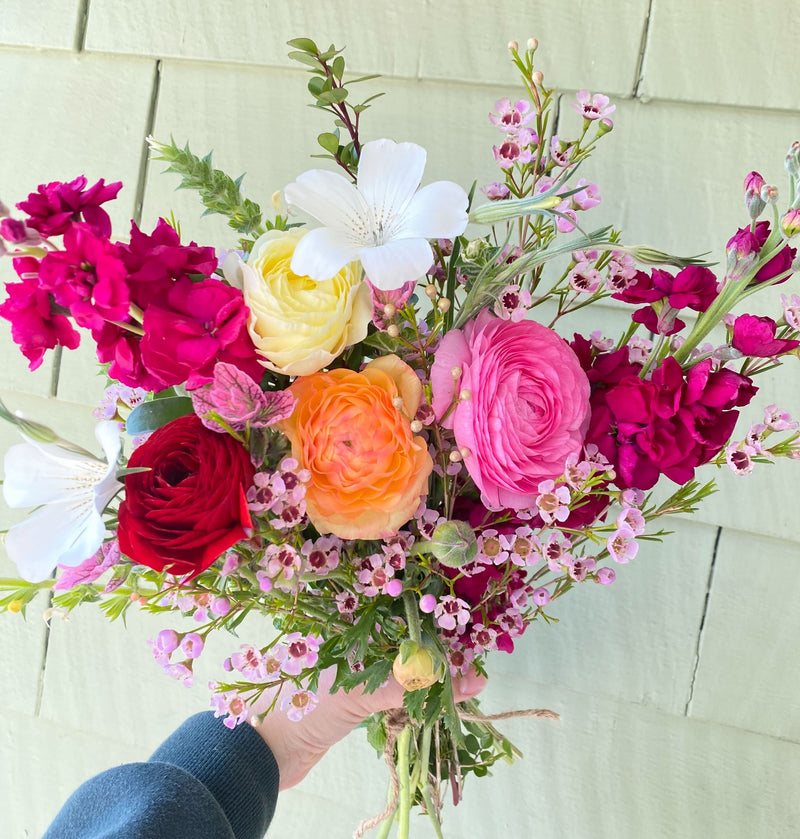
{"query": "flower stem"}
(412, 617)
(404, 804)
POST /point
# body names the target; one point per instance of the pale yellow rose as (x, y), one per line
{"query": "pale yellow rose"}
(298, 325)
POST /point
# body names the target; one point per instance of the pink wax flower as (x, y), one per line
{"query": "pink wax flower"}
(585, 278)
(34, 327)
(87, 277)
(528, 408)
(593, 107)
(495, 191)
(791, 310)
(191, 328)
(155, 260)
(512, 303)
(511, 117)
(56, 206)
(755, 336)
(239, 401)
(588, 197)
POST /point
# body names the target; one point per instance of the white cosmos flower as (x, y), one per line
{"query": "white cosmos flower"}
(383, 221)
(71, 490)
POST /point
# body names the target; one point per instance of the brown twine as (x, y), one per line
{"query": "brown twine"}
(396, 721)
(542, 713)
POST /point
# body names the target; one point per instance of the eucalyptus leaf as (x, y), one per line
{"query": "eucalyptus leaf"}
(150, 416)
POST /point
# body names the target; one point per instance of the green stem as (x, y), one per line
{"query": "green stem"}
(412, 617)
(386, 824)
(404, 802)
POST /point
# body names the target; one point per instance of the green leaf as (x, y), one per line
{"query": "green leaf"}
(329, 142)
(330, 97)
(372, 677)
(304, 58)
(376, 733)
(150, 416)
(304, 44)
(365, 79)
(338, 67)
(315, 85)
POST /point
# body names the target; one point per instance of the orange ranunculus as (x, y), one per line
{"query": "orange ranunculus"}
(368, 471)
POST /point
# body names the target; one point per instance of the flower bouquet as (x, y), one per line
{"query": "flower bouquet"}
(377, 429)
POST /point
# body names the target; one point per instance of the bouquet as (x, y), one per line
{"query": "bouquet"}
(377, 428)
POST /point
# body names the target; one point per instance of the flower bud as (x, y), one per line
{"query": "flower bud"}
(753, 185)
(443, 305)
(513, 46)
(533, 44)
(769, 194)
(604, 126)
(792, 161)
(453, 543)
(416, 667)
(790, 223)
(430, 290)
(393, 330)
(537, 77)
(475, 248)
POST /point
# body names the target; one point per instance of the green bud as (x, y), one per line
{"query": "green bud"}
(475, 248)
(417, 667)
(453, 544)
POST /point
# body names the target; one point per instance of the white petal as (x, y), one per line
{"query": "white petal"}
(42, 474)
(107, 434)
(323, 252)
(437, 211)
(330, 198)
(58, 533)
(388, 176)
(398, 262)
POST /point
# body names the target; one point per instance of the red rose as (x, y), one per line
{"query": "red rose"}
(190, 506)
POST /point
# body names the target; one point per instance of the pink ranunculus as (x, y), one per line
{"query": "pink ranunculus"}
(753, 335)
(192, 327)
(56, 206)
(528, 405)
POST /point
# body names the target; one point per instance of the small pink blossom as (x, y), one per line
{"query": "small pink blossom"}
(427, 603)
(592, 107)
(385, 303)
(495, 191)
(483, 638)
(740, 458)
(585, 278)
(560, 151)
(298, 704)
(229, 703)
(91, 569)
(622, 545)
(301, 652)
(588, 197)
(633, 518)
(513, 303)
(605, 576)
(632, 497)
(541, 596)
(779, 420)
(791, 310)
(346, 602)
(192, 645)
(460, 660)
(553, 502)
(510, 117)
(181, 671)
(451, 612)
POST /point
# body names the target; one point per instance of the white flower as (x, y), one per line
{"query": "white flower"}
(71, 490)
(383, 221)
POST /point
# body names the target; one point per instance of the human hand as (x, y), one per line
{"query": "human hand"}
(298, 746)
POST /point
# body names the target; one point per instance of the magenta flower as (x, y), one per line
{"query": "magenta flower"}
(194, 326)
(90, 569)
(755, 336)
(87, 277)
(528, 407)
(154, 261)
(34, 326)
(239, 401)
(755, 204)
(18, 233)
(593, 107)
(56, 206)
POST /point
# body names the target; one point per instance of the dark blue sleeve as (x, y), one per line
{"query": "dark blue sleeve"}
(204, 782)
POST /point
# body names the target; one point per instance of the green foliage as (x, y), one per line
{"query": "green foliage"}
(150, 416)
(219, 192)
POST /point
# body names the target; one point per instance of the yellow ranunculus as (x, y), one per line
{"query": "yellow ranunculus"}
(298, 325)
